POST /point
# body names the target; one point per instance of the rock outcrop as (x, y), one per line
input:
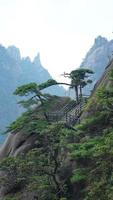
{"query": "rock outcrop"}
(16, 144)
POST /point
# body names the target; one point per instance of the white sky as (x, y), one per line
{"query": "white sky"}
(61, 30)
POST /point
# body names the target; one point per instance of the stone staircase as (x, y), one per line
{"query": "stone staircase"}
(69, 114)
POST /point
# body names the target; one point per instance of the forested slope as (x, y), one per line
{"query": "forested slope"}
(47, 161)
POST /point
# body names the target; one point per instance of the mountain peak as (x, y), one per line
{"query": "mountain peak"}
(98, 58)
(100, 40)
(14, 52)
(37, 59)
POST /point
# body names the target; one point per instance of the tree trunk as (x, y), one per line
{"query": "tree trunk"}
(60, 192)
(42, 104)
(76, 93)
(80, 92)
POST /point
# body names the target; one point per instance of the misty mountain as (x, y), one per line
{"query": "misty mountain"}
(97, 59)
(16, 71)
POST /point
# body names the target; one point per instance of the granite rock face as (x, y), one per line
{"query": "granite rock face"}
(97, 59)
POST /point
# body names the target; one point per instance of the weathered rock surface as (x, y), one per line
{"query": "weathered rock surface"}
(16, 144)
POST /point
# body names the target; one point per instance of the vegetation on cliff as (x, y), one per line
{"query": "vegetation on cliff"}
(65, 164)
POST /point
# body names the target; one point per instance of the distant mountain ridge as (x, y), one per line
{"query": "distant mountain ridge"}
(16, 71)
(97, 59)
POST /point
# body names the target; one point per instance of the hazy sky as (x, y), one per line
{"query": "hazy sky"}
(61, 30)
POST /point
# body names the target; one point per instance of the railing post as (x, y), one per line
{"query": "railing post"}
(66, 117)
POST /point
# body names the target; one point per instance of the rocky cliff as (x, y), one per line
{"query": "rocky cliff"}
(72, 165)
